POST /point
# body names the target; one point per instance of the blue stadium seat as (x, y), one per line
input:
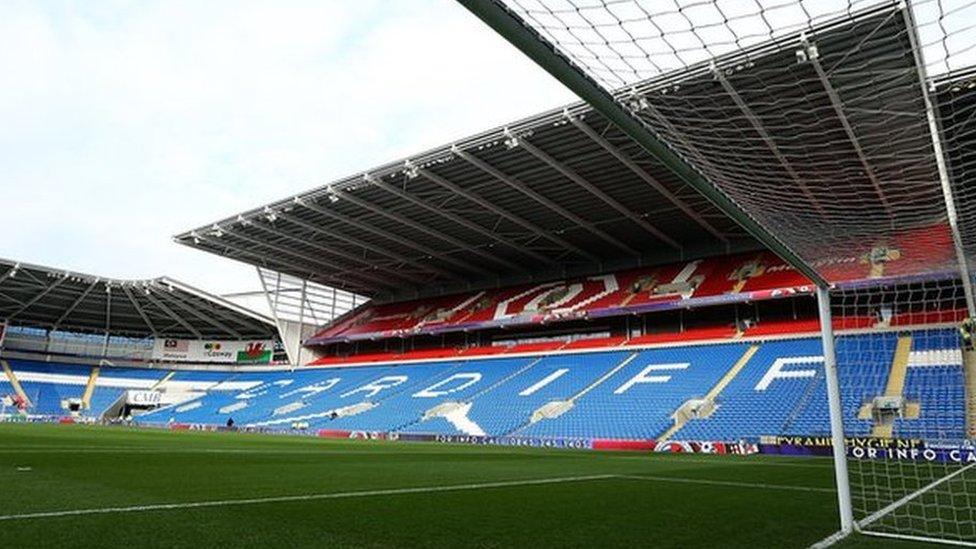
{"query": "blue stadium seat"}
(617, 394)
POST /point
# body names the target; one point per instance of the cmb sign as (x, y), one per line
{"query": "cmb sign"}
(143, 398)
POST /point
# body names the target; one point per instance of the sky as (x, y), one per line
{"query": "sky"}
(124, 123)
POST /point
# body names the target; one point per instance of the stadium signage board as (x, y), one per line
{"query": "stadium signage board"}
(211, 350)
(870, 448)
(143, 398)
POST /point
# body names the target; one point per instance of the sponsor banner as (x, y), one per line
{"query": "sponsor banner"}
(368, 435)
(207, 350)
(333, 433)
(529, 442)
(414, 437)
(143, 398)
(794, 450)
(850, 442)
(868, 448)
(936, 453)
(633, 445)
(192, 427)
(278, 353)
(707, 447)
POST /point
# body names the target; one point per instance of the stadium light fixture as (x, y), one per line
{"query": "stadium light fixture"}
(410, 170)
(511, 140)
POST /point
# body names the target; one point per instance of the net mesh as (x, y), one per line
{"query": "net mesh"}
(846, 129)
(815, 117)
(908, 409)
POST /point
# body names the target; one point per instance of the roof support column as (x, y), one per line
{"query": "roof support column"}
(301, 323)
(108, 319)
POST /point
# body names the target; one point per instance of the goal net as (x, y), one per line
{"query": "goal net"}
(842, 134)
(904, 363)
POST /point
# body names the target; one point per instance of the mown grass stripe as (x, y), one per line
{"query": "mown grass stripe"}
(733, 484)
(303, 497)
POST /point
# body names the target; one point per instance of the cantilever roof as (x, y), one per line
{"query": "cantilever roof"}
(560, 193)
(566, 193)
(44, 297)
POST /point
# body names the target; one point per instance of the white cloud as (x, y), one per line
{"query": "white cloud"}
(122, 124)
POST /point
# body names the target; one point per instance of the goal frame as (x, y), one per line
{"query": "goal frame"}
(524, 37)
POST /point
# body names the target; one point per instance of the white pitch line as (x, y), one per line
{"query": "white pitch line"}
(733, 484)
(873, 517)
(305, 497)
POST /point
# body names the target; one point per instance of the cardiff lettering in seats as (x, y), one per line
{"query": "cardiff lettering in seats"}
(313, 389)
(544, 381)
(643, 376)
(374, 387)
(470, 379)
(777, 370)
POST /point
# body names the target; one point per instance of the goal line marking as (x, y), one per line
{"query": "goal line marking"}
(880, 513)
(730, 483)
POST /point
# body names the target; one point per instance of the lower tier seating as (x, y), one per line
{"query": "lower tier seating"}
(718, 391)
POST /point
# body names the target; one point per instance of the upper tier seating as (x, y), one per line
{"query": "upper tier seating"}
(612, 294)
(750, 276)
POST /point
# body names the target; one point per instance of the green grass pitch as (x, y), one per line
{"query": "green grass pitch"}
(83, 486)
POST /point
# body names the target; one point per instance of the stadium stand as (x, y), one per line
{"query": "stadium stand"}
(722, 391)
(737, 278)
(636, 402)
(935, 381)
